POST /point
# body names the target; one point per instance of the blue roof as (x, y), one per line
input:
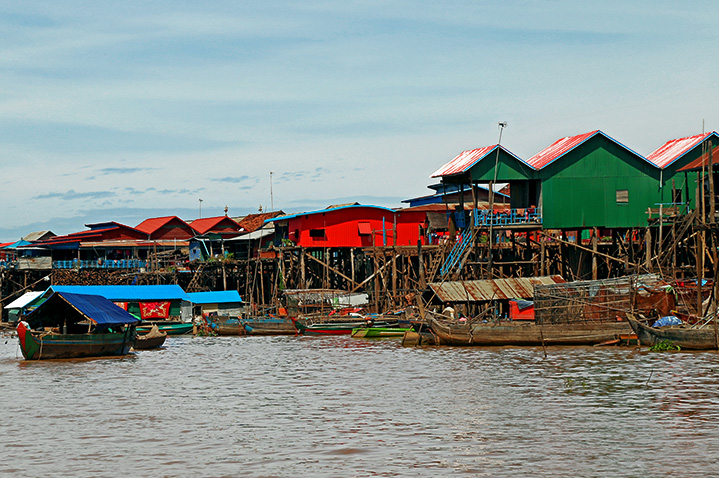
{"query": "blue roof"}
(290, 216)
(216, 297)
(17, 244)
(126, 292)
(98, 309)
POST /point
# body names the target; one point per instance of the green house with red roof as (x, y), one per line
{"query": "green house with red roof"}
(577, 182)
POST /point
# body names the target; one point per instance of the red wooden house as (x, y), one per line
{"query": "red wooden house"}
(351, 226)
(166, 228)
(221, 226)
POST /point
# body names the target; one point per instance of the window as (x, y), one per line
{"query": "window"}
(622, 196)
(317, 233)
(364, 228)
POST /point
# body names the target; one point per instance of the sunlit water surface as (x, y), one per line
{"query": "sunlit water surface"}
(306, 406)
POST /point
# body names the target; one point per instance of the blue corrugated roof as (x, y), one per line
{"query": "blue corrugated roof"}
(126, 292)
(216, 297)
(96, 308)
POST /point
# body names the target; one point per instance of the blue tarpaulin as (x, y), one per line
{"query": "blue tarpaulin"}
(667, 320)
(99, 310)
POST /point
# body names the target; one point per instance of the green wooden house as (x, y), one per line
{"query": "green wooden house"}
(578, 182)
(677, 186)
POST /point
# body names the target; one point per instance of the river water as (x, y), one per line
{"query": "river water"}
(344, 407)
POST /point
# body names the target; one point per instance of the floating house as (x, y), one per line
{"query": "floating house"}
(226, 302)
(166, 228)
(149, 302)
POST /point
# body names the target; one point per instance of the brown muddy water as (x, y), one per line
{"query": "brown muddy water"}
(343, 407)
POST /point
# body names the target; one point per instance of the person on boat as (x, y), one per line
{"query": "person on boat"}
(448, 311)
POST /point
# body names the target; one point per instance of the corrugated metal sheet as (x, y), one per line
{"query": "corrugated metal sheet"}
(494, 289)
(215, 297)
(557, 149)
(675, 149)
(463, 161)
(125, 292)
(703, 162)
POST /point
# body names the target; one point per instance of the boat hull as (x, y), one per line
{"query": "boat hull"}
(169, 329)
(379, 332)
(36, 346)
(148, 343)
(687, 339)
(512, 333)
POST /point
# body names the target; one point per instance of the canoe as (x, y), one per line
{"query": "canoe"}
(70, 325)
(518, 333)
(684, 337)
(333, 328)
(152, 340)
(170, 329)
(377, 332)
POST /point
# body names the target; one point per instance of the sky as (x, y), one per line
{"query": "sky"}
(122, 111)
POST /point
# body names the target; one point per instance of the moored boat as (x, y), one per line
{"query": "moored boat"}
(688, 338)
(269, 325)
(70, 325)
(379, 332)
(151, 340)
(223, 324)
(519, 333)
(170, 329)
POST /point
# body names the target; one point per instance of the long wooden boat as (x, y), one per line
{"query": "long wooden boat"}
(269, 326)
(70, 325)
(170, 329)
(515, 333)
(335, 328)
(224, 324)
(684, 337)
(378, 332)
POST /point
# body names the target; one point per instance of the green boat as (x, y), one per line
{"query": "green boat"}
(170, 329)
(378, 332)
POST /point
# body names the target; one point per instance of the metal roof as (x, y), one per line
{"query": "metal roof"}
(703, 162)
(558, 149)
(330, 209)
(675, 149)
(23, 300)
(466, 159)
(492, 289)
(125, 292)
(215, 297)
(149, 226)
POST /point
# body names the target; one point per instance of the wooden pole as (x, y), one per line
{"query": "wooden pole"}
(595, 241)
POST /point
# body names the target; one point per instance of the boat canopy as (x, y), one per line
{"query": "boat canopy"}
(73, 308)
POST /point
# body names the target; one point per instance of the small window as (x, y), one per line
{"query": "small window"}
(317, 233)
(622, 196)
(364, 228)
(677, 199)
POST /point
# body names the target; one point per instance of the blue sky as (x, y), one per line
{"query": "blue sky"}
(120, 111)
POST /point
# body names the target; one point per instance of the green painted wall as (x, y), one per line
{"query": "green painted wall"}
(508, 169)
(580, 189)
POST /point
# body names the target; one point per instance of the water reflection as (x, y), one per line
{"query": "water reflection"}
(337, 406)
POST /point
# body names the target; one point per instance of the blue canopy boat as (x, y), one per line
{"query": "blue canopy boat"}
(71, 325)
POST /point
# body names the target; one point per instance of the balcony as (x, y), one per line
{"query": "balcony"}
(508, 217)
(100, 264)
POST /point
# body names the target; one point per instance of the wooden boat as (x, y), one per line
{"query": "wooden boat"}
(518, 333)
(377, 332)
(224, 325)
(686, 338)
(170, 329)
(70, 325)
(152, 340)
(335, 328)
(269, 325)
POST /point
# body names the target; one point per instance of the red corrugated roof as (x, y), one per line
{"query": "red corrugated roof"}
(252, 222)
(149, 226)
(463, 161)
(208, 224)
(558, 149)
(675, 149)
(703, 162)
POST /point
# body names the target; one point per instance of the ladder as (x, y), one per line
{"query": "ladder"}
(457, 253)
